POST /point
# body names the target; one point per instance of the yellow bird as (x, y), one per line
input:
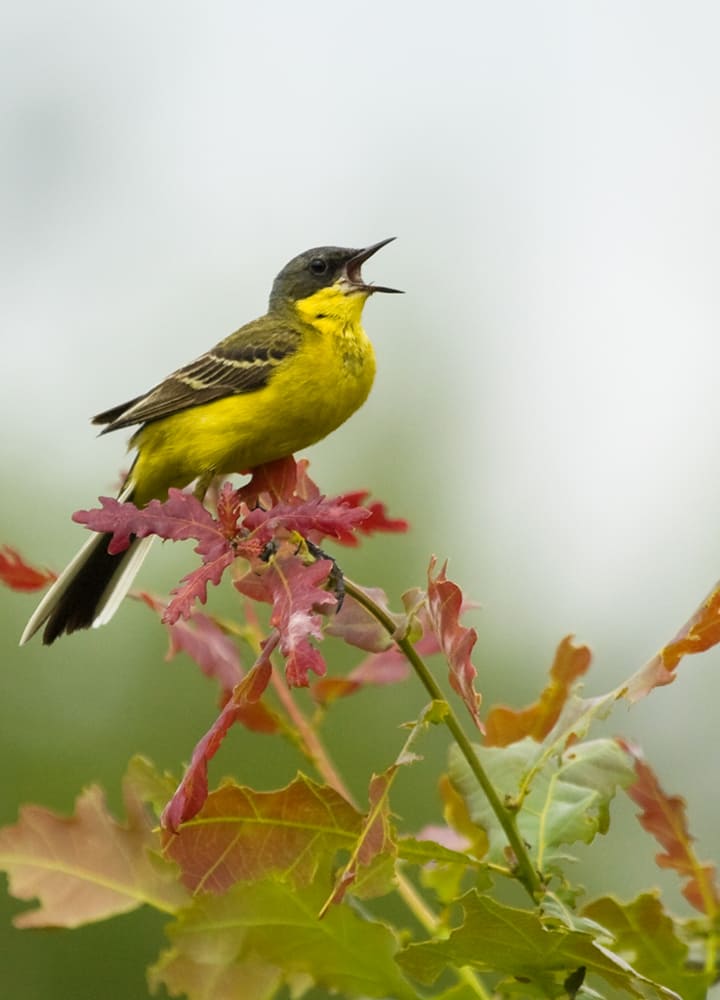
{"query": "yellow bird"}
(278, 384)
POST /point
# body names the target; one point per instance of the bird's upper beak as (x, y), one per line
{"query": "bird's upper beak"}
(353, 273)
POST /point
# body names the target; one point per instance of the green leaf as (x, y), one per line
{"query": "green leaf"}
(149, 784)
(443, 869)
(646, 935)
(274, 924)
(520, 945)
(567, 799)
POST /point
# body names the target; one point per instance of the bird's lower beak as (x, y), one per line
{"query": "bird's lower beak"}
(353, 271)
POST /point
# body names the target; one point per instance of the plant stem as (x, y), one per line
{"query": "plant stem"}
(525, 868)
(311, 743)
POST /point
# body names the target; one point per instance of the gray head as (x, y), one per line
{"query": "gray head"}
(322, 267)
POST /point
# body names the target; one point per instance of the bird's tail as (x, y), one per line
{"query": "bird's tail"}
(90, 589)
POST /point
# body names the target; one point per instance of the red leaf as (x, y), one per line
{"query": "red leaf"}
(19, 575)
(315, 519)
(242, 835)
(292, 587)
(180, 517)
(445, 604)
(664, 817)
(193, 586)
(272, 482)
(193, 789)
(699, 633)
(377, 519)
(504, 725)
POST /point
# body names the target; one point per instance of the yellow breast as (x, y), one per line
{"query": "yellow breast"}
(309, 394)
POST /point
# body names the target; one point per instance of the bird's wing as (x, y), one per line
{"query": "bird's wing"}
(243, 362)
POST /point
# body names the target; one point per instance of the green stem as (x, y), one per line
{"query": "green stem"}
(525, 868)
(424, 915)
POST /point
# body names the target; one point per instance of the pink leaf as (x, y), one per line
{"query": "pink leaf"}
(293, 589)
(445, 603)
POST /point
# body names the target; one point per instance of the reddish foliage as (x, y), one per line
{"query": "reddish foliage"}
(280, 501)
(445, 604)
(377, 519)
(20, 575)
(387, 667)
(243, 834)
(179, 518)
(504, 725)
(664, 817)
(277, 482)
(193, 789)
(293, 588)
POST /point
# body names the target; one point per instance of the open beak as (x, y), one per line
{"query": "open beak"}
(353, 271)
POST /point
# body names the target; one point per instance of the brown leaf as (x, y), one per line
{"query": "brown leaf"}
(664, 817)
(700, 633)
(87, 866)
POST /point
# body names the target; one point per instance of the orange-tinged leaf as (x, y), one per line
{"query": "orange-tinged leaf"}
(508, 725)
(700, 633)
(20, 575)
(87, 866)
(241, 835)
(664, 817)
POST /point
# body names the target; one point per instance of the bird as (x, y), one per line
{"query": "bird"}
(278, 384)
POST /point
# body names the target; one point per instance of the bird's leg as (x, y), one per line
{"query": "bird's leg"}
(336, 578)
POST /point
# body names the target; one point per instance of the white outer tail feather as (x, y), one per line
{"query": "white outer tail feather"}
(115, 592)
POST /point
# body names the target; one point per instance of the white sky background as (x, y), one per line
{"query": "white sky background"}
(547, 402)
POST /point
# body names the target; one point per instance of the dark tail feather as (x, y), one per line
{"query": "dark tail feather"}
(77, 606)
(89, 590)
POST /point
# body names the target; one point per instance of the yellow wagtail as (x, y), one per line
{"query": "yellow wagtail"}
(278, 384)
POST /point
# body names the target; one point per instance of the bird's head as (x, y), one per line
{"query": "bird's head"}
(318, 276)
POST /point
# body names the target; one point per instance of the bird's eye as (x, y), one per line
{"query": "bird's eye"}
(318, 265)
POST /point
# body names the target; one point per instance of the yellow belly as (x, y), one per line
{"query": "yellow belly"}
(308, 396)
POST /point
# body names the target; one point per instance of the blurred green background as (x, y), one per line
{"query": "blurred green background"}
(546, 406)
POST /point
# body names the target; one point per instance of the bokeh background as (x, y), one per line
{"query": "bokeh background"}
(546, 407)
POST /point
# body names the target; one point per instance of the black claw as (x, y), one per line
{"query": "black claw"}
(269, 551)
(336, 578)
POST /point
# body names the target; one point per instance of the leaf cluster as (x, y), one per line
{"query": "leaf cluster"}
(283, 889)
